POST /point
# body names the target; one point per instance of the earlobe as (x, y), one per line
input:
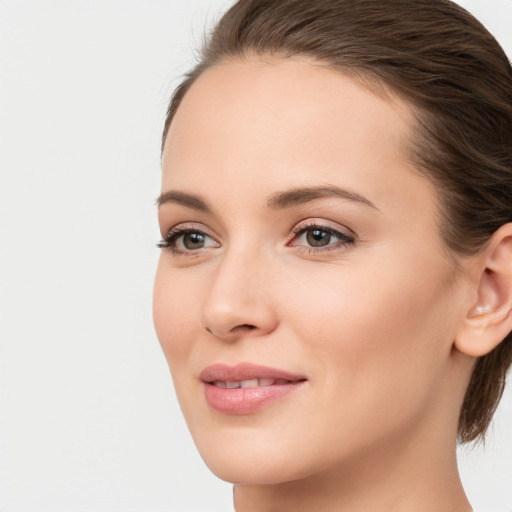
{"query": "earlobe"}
(489, 319)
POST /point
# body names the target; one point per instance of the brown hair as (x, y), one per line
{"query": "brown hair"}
(458, 81)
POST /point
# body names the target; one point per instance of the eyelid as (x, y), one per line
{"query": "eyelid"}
(346, 236)
(168, 240)
(315, 222)
(188, 226)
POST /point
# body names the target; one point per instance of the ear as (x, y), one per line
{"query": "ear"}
(489, 320)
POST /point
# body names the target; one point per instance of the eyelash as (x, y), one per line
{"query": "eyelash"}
(169, 241)
(345, 239)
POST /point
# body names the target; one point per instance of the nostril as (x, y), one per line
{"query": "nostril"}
(237, 328)
(229, 333)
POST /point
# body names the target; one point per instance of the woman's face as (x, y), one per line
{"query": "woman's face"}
(304, 300)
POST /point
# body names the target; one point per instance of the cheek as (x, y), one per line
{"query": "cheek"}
(175, 315)
(376, 344)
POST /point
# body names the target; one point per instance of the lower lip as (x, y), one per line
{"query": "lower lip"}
(246, 400)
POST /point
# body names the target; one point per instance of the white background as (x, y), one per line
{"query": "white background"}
(88, 418)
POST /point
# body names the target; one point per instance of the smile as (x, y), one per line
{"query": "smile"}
(246, 388)
(250, 383)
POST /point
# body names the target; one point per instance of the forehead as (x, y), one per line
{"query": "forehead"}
(279, 92)
(271, 123)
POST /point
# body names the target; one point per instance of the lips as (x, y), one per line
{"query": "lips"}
(249, 383)
(246, 388)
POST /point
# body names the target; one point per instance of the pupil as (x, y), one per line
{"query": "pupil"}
(193, 240)
(318, 238)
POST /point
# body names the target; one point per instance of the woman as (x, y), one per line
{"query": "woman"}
(334, 293)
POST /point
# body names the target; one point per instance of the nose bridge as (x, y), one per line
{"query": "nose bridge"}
(238, 300)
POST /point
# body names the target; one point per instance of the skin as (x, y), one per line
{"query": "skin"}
(370, 323)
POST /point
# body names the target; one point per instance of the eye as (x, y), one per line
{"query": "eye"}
(182, 240)
(317, 238)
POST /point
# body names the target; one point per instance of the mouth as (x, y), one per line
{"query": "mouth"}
(246, 388)
(250, 383)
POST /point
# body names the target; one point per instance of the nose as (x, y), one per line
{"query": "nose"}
(239, 303)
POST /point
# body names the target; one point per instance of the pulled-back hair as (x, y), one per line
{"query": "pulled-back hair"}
(458, 82)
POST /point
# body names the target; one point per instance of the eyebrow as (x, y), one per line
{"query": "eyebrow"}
(278, 201)
(297, 196)
(184, 199)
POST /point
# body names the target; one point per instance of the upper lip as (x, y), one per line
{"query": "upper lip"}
(245, 371)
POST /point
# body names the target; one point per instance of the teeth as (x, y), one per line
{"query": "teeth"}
(249, 383)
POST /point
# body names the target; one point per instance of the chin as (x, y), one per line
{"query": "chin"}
(238, 469)
(251, 457)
